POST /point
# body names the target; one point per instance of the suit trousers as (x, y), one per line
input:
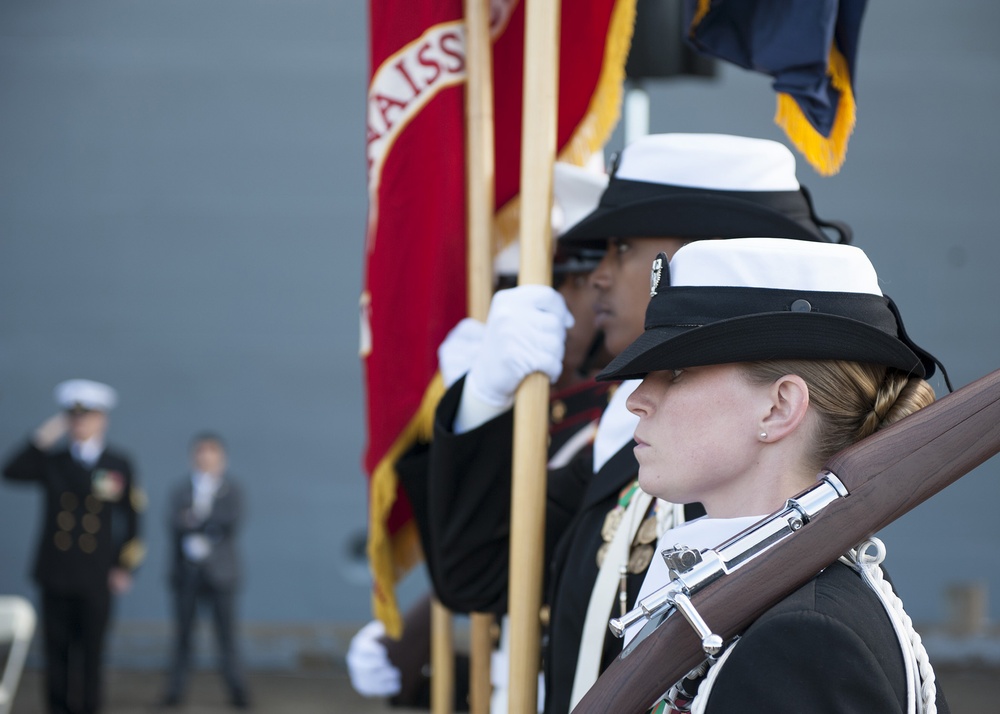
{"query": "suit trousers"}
(74, 626)
(193, 587)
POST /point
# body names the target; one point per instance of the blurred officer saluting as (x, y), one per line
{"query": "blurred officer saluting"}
(88, 546)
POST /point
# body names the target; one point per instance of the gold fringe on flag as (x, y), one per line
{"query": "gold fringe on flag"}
(699, 14)
(606, 102)
(825, 154)
(602, 114)
(389, 557)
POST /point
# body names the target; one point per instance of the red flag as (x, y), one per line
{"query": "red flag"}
(415, 273)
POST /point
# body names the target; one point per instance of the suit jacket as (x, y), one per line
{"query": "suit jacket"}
(222, 566)
(90, 520)
(469, 502)
(827, 648)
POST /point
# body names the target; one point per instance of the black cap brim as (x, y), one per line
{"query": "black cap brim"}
(633, 208)
(768, 336)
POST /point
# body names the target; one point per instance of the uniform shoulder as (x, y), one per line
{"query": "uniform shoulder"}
(836, 591)
(838, 599)
(830, 631)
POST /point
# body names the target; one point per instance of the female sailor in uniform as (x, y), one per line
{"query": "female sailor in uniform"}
(761, 358)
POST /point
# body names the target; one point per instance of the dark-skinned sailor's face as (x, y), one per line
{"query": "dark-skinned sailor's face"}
(622, 282)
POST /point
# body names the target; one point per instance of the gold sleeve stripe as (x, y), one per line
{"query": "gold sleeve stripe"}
(138, 498)
(132, 554)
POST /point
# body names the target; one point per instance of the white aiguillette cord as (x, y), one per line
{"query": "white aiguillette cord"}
(595, 627)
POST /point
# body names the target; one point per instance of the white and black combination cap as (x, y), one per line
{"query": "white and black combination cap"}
(705, 186)
(78, 395)
(750, 299)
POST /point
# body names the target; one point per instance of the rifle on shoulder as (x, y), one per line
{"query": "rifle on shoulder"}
(719, 592)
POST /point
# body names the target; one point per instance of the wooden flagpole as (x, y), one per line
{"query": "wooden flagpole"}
(479, 164)
(480, 186)
(480, 181)
(527, 528)
(442, 660)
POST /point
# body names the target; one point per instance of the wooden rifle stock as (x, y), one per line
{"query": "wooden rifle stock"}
(886, 475)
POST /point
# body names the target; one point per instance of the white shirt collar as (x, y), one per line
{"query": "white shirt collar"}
(205, 482)
(89, 451)
(700, 534)
(204, 488)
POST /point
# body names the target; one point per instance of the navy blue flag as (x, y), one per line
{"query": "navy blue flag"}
(808, 46)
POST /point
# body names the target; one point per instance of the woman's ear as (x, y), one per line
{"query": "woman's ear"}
(788, 408)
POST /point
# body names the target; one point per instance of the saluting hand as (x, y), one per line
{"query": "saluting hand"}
(50, 431)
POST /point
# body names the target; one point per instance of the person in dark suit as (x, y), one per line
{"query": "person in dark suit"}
(89, 542)
(665, 191)
(206, 510)
(795, 355)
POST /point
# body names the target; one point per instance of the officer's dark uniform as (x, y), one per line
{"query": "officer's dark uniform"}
(827, 647)
(575, 408)
(90, 525)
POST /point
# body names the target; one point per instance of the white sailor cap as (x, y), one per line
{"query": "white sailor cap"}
(576, 191)
(85, 395)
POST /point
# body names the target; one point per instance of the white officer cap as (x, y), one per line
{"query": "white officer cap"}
(85, 394)
(576, 191)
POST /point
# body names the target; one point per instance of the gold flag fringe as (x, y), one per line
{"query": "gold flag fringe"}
(389, 557)
(699, 14)
(825, 154)
(603, 112)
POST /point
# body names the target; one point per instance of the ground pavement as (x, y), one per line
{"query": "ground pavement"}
(969, 690)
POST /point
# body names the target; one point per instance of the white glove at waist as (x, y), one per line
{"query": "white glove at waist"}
(372, 674)
(460, 349)
(525, 333)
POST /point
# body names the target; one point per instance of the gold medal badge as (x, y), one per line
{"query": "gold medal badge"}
(639, 558)
(647, 531)
(613, 520)
(611, 523)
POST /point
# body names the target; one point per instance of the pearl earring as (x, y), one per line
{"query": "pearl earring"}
(763, 435)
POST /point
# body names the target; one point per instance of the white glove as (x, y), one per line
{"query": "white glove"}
(372, 674)
(525, 333)
(460, 349)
